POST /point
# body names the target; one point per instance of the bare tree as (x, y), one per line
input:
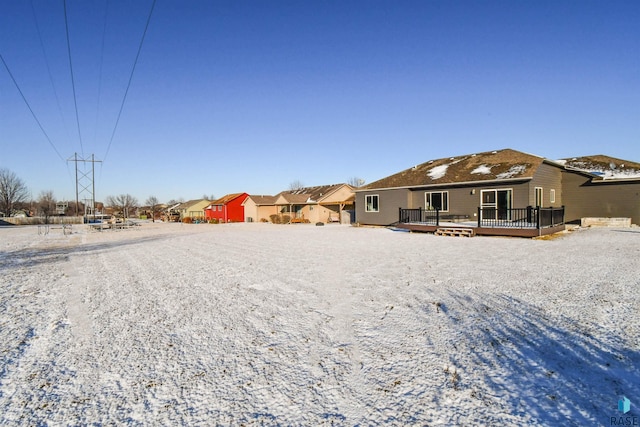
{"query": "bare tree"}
(296, 185)
(46, 204)
(123, 204)
(12, 191)
(356, 182)
(152, 202)
(175, 201)
(208, 197)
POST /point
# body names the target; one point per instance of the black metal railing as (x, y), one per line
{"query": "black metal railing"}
(420, 215)
(529, 217)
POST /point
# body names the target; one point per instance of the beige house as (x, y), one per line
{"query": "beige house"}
(193, 209)
(323, 203)
(259, 208)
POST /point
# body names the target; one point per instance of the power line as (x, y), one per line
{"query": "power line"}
(104, 36)
(29, 107)
(46, 61)
(135, 62)
(73, 84)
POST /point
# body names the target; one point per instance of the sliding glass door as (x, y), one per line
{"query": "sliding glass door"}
(496, 204)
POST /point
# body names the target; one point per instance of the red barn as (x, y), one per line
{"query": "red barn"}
(229, 208)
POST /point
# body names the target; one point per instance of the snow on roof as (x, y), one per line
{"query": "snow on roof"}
(438, 171)
(513, 171)
(482, 169)
(605, 167)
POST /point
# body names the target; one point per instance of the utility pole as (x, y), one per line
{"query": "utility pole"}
(85, 181)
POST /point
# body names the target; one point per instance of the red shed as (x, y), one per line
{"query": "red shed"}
(227, 209)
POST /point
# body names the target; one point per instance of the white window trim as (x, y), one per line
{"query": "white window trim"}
(552, 195)
(366, 205)
(426, 205)
(535, 196)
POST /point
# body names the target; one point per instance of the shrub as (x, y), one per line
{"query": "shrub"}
(187, 220)
(286, 219)
(275, 218)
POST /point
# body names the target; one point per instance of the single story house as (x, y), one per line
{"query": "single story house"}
(463, 187)
(259, 208)
(322, 203)
(229, 208)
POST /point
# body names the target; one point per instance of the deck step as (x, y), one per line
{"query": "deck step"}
(455, 231)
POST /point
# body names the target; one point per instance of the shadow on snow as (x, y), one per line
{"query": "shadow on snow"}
(545, 365)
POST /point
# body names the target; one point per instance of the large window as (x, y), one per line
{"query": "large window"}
(437, 200)
(371, 203)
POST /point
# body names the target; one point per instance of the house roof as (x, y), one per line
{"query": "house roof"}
(310, 194)
(603, 167)
(190, 203)
(263, 200)
(291, 198)
(506, 164)
(226, 199)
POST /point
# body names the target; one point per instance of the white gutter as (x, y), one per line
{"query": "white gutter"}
(465, 183)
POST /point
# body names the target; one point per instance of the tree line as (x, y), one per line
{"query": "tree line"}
(15, 197)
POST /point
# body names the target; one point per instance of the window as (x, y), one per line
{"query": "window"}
(371, 203)
(552, 196)
(437, 200)
(539, 199)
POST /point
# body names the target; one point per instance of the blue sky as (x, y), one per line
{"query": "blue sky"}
(250, 96)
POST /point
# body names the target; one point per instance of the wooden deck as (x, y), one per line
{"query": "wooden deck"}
(459, 230)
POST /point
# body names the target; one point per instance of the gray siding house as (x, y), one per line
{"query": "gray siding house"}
(601, 186)
(501, 179)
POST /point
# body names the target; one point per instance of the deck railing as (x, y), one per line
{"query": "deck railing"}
(529, 217)
(420, 215)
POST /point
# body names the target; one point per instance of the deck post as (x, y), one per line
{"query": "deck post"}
(400, 215)
(438, 217)
(538, 217)
(420, 217)
(479, 217)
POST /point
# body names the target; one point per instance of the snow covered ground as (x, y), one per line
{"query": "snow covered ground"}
(260, 324)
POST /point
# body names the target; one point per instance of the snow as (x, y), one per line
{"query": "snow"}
(438, 172)
(262, 324)
(514, 170)
(618, 174)
(482, 169)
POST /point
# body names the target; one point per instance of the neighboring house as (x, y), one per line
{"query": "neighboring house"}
(323, 203)
(259, 208)
(502, 180)
(193, 209)
(229, 208)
